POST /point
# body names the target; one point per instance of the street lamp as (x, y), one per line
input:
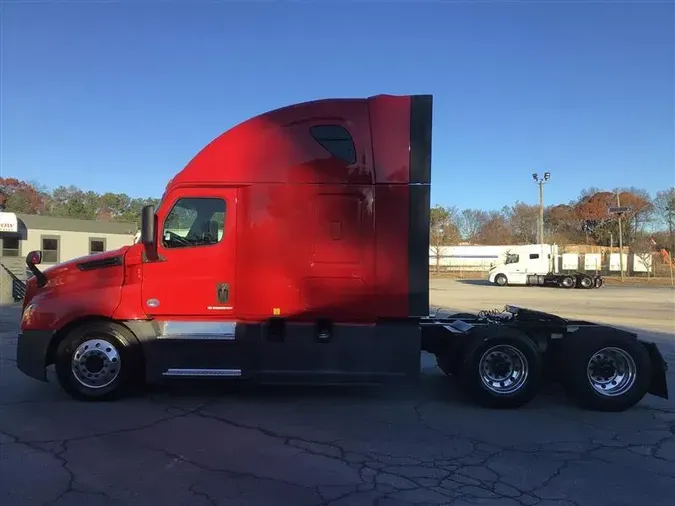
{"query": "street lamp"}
(541, 181)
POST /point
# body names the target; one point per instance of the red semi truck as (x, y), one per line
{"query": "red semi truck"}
(294, 248)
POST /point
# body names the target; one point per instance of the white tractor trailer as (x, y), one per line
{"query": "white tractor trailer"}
(537, 265)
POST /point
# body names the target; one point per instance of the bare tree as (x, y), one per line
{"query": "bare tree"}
(495, 230)
(444, 230)
(664, 210)
(643, 248)
(470, 222)
(523, 219)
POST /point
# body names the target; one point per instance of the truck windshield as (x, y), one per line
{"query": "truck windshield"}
(194, 222)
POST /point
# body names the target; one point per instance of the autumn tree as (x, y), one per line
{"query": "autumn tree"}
(495, 230)
(641, 212)
(562, 226)
(20, 196)
(600, 227)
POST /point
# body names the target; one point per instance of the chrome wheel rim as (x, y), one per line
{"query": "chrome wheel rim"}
(503, 369)
(586, 282)
(611, 371)
(96, 363)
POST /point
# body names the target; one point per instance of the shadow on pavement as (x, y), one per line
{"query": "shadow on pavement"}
(476, 282)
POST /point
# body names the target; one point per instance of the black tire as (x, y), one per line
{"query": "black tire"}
(578, 380)
(470, 370)
(501, 280)
(446, 364)
(567, 282)
(463, 316)
(114, 347)
(445, 314)
(586, 282)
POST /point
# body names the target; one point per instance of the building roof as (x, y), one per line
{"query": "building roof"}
(53, 223)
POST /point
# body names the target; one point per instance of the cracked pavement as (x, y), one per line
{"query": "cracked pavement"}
(384, 446)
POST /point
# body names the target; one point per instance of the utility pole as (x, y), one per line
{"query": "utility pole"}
(620, 211)
(541, 181)
(618, 204)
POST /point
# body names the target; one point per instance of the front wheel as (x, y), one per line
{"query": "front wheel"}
(610, 373)
(98, 361)
(501, 280)
(503, 371)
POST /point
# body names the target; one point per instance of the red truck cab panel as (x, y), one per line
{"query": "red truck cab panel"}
(322, 196)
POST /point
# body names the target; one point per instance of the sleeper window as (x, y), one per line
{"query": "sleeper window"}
(336, 140)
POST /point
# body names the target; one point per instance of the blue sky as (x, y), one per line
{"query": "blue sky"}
(118, 96)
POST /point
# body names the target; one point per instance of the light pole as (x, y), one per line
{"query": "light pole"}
(620, 210)
(541, 181)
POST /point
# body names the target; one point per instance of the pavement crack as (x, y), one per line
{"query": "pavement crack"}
(200, 493)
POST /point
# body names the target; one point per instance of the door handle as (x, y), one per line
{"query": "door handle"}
(223, 292)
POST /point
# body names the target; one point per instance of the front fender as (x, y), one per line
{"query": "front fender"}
(51, 311)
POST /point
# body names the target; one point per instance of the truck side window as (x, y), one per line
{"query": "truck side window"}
(194, 221)
(336, 140)
(534, 256)
(512, 258)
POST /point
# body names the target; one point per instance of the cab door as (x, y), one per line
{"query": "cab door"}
(194, 274)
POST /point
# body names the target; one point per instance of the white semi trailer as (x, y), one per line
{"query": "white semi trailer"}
(537, 265)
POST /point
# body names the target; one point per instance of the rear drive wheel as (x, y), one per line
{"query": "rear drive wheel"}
(503, 371)
(567, 282)
(609, 373)
(98, 361)
(586, 282)
(501, 280)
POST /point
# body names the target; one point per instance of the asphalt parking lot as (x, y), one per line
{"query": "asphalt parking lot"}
(384, 447)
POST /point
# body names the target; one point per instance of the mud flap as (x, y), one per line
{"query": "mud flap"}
(659, 383)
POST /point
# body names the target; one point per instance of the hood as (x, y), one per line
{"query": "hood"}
(90, 262)
(86, 272)
(63, 272)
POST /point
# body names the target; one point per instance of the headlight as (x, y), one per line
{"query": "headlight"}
(27, 313)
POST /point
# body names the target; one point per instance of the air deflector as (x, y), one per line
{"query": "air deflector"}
(421, 114)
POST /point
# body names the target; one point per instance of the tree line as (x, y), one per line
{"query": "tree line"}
(70, 202)
(649, 224)
(583, 221)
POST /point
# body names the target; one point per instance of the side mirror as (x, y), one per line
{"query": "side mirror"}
(34, 258)
(148, 225)
(148, 232)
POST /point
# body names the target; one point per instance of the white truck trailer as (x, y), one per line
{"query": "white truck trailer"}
(537, 265)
